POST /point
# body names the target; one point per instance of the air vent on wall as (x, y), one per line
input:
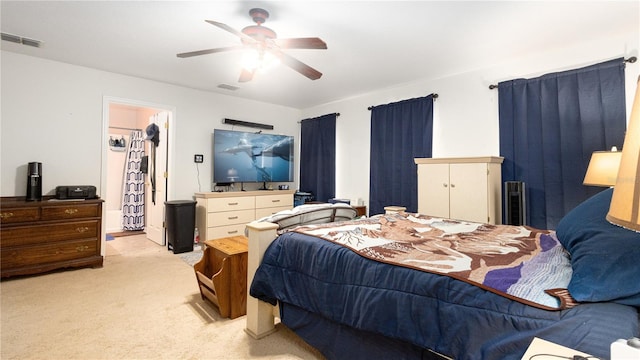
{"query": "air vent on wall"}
(21, 40)
(228, 87)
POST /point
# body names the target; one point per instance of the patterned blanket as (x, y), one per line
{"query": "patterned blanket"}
(522, 264)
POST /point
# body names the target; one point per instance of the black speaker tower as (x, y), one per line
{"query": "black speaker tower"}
(515, 203)
(34, 181)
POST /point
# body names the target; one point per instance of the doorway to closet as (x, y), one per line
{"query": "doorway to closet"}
(135, 169)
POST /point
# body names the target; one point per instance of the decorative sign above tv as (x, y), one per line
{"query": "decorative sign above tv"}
(242, 157)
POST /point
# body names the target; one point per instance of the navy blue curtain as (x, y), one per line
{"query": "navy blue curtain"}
(550, 125)
(318, 157)
(400, 132)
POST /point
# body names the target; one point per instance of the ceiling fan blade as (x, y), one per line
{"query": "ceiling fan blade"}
(230, 29)
(209, 51)
(298, 66)
(301, 43)
(245, 75)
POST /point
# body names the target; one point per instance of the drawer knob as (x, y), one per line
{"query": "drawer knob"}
(82, 248)
(82, 229)
(6, 215)
(276, 200)
(445, 185)
(70, 211)
(232, 204)
(232, 217)
(453, 185)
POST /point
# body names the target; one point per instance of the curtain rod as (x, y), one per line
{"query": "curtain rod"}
(300, 121)
(435, 96)
(629, 60)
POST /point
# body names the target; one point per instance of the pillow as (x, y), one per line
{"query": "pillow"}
(605, 258)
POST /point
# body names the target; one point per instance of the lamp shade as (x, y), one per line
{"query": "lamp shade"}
(625, 202)
(603, 168)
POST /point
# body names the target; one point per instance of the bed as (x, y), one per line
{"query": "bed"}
(353, 291)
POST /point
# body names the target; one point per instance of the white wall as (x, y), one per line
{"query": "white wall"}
(466, 111)
(52, 113)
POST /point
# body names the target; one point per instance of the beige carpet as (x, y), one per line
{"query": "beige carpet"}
(126, 233)
(143, 304)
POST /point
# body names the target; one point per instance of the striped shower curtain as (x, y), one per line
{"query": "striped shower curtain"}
(133, 187)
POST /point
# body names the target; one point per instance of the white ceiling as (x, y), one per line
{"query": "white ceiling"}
(371, 44)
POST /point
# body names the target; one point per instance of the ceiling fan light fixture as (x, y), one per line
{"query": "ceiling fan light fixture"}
(255, 60)
(259, 33)
(258, 15)
(267, 49)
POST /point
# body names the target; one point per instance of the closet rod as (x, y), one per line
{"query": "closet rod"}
(122, 128)
(630, 60)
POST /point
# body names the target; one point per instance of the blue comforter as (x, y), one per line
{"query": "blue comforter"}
(434, 312)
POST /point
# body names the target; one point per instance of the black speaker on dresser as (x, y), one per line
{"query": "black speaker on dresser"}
(515, 203)
(34, 181)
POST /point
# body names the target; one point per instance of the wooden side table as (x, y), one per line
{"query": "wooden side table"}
(222, 275)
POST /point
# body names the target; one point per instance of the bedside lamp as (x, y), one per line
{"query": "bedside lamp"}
(625, 202)
(603, 168)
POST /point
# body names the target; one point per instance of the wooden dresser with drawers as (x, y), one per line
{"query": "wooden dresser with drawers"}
(40, 236)
(224, 214)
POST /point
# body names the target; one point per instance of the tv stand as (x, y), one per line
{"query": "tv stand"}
(225, 214)
(264, 186)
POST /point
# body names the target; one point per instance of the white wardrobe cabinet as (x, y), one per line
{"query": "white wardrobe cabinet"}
(461, 188)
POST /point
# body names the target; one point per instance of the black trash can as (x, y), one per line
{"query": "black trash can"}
(180, 221)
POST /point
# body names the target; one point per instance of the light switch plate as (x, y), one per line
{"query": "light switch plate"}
(198, 158)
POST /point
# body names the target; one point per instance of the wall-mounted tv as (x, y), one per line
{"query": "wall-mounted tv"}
(242, 157)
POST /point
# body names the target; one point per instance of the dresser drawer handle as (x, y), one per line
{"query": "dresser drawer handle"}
(82, 248)
(276, 200)
(232, 232)
(83, 229)
(232, 217)
(70, 211)
(6, 215)
(232, 204)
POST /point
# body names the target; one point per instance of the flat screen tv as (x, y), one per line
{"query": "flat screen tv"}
(243, 157)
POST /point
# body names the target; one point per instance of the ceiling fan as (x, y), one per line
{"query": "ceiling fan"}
(264, 40)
